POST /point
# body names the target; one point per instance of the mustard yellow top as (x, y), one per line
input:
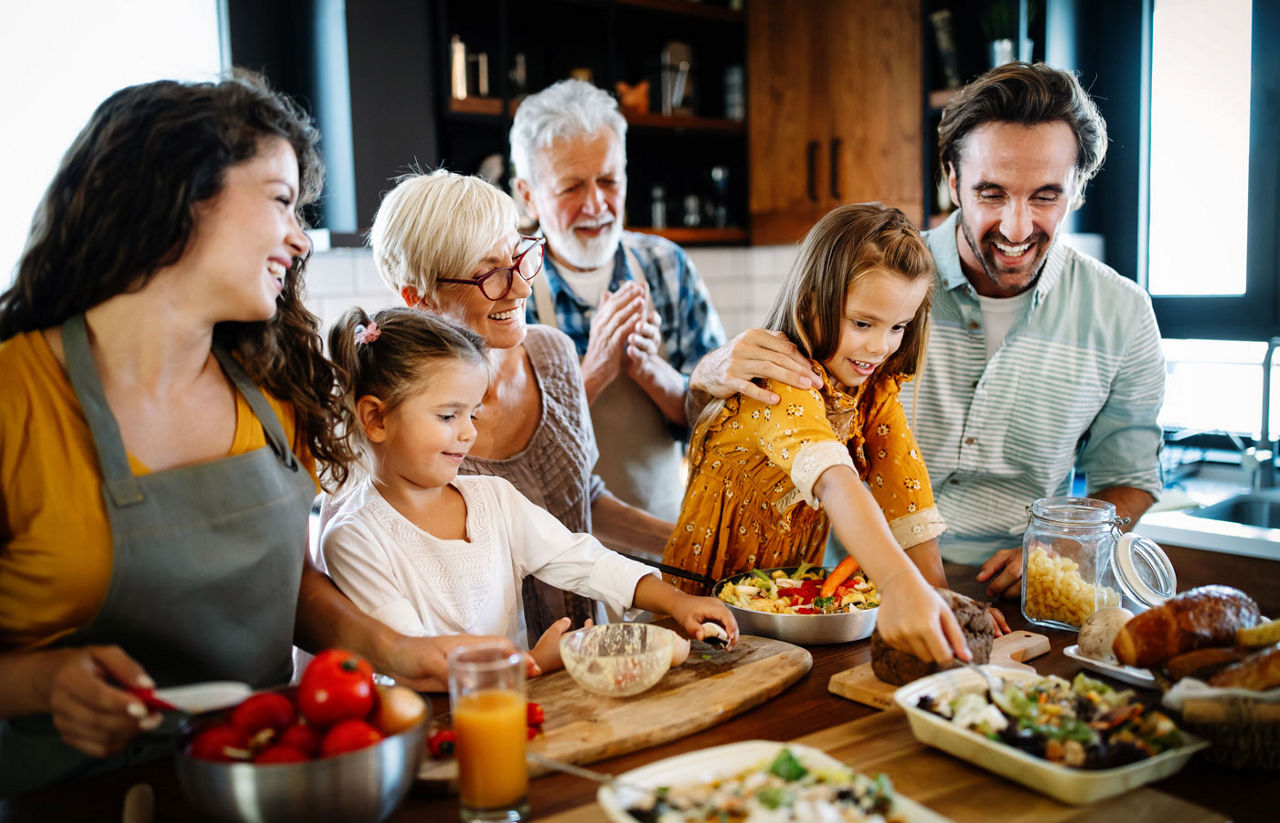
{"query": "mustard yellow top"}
(750, 503)
(55, 540)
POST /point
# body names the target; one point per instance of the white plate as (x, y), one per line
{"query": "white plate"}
(725, 761)
(1136, 677)
(1075, 786)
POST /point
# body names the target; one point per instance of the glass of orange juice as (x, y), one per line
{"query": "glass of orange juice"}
(486, 692)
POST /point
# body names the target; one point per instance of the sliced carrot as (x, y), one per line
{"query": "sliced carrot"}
(838, 575)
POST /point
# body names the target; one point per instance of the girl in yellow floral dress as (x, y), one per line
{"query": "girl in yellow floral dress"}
(767, 482)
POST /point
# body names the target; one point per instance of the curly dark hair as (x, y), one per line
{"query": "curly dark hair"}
(1027, 94)
(122, 206)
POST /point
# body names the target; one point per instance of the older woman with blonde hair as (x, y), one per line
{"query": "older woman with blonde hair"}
(449, 244)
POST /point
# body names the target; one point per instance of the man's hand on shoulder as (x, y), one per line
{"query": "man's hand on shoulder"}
(614, 321)
(753, 354)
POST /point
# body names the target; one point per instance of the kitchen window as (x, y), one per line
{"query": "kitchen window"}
(1211, 205)
(60, 59)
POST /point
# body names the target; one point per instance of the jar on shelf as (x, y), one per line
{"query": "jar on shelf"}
(1075, 561)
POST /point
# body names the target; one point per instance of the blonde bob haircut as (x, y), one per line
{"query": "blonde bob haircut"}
(438, 225)
(846, 245)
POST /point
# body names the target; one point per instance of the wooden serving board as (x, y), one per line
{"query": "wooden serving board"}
(862, 686)
(582, 727)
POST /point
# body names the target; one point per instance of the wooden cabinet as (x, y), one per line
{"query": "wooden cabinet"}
(833, 110)
(692, 161)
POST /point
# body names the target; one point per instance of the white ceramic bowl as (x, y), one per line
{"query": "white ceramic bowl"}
(1075, 786)
(617, 659)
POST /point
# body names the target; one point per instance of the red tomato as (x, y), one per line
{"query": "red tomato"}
(442, 743)
(534, 715)
(301, 738)
(222, 743)
(280, 754)
(337, 685)
(263, 711)
(347, 736)
(531, 732)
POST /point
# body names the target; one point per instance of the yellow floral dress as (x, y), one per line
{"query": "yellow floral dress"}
(750, 503)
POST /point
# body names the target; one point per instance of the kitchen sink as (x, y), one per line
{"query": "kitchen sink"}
(1259, 509)
(1220, 513)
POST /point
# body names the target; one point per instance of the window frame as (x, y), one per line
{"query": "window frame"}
(1254, 315)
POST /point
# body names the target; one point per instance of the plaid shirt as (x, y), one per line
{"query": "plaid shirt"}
(690, 325)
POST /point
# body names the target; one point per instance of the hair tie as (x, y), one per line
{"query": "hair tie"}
(367, 334)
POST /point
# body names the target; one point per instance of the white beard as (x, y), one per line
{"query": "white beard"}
(591, 253)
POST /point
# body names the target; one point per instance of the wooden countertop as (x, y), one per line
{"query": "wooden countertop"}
(805, 709)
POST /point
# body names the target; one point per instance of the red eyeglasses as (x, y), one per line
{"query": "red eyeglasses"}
(527, 261)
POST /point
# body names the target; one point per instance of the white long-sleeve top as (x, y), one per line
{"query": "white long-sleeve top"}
(421, 585)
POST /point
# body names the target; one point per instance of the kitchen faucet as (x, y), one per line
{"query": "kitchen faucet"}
(1265, 474)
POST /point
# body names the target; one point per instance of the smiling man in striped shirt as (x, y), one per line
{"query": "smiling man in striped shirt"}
(1042, 361)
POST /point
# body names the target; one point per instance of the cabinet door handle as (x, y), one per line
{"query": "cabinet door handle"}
(811, 160)
(835, 169)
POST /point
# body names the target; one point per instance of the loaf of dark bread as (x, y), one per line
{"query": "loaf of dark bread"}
(1196, 619)
(900, 667)
(1259, 671)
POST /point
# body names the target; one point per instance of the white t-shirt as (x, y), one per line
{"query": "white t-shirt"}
(998, 316)
(421, 585)
(589, 285)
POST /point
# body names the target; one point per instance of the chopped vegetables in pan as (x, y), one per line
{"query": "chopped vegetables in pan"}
(806, 590)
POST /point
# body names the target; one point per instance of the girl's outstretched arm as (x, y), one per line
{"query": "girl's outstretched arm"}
(657, 595)
(912, 615)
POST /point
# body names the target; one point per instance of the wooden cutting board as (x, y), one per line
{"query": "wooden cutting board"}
(862, 686)
(582, 727)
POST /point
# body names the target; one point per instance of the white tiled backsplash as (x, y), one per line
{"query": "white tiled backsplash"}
(742, 282)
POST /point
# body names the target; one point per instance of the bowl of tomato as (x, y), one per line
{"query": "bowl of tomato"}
(807, 605)
(337, 747)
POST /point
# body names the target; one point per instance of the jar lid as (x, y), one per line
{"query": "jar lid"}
(1143, 570)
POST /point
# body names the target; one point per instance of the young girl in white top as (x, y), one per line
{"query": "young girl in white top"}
(431, 553)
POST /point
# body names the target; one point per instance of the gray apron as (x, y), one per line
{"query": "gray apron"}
(206, 568)
(639, 459)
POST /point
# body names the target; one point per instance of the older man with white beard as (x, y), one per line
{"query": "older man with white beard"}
(633, 303)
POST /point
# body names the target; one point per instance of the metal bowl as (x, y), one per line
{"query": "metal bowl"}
(617, 659)
(364, 785)
(801, 629)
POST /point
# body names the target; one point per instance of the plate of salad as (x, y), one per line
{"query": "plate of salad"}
(756, 780)
(1079, 741)
(803, 604)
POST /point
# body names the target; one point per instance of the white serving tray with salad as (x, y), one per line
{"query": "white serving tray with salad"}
(725, 762)
(1076, 786)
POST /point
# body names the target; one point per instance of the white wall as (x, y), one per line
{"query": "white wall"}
(742, 282)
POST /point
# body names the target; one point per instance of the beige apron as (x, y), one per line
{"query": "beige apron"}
(639, 460)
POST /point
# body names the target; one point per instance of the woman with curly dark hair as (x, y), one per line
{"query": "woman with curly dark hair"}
(166, 399)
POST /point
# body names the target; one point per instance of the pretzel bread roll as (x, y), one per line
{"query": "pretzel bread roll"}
(1259, 671)
(1200, 617)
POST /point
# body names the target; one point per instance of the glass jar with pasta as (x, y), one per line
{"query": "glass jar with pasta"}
(1066, 555)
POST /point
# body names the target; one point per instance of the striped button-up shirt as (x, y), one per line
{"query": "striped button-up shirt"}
(1077, 385)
